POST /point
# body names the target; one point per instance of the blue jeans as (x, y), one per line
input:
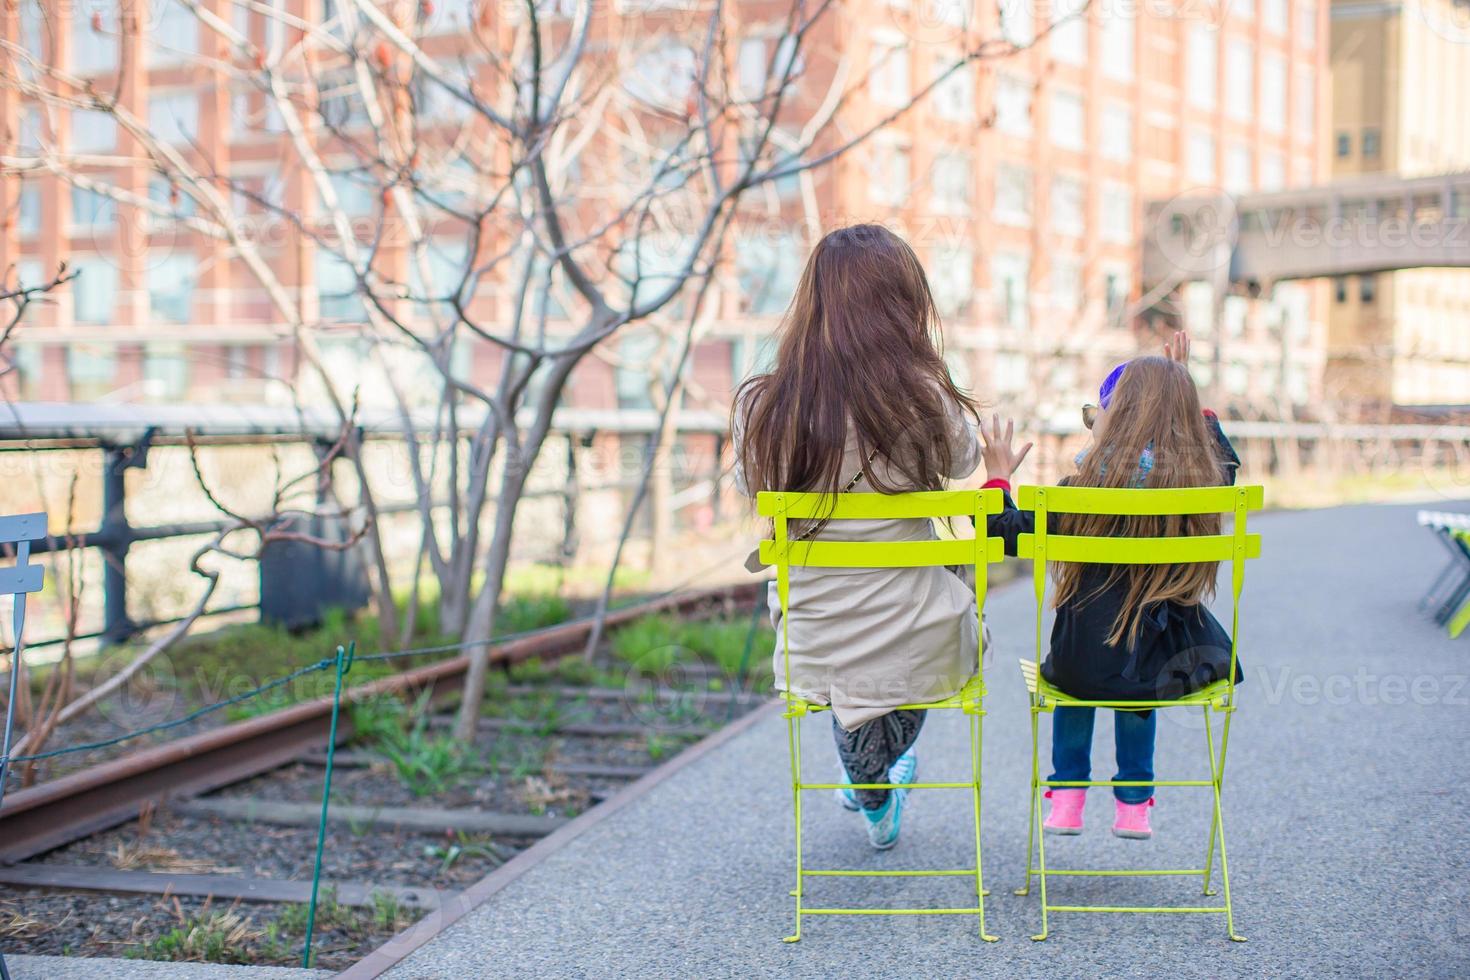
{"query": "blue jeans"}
(1133, 735)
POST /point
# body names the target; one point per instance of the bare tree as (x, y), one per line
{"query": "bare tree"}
(479, 210)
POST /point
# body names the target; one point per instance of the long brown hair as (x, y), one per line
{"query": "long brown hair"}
(860, 345)
(1154, 408)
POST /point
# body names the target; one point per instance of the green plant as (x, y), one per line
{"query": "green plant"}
(205, 937)
(522, 613)
(426, 763)
(463, 845)
(658, 745)
(650, 644)
(723, 642)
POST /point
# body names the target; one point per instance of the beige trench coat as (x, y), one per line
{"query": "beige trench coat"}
(866, 640)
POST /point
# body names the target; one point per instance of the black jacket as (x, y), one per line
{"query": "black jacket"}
(1179, 649)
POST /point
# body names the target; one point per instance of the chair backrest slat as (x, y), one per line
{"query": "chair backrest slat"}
(1129, 502)
(1138, 551)
(881, 554)
(878, 506)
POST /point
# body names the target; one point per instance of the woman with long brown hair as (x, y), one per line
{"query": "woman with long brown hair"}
(860, 399)
(1129, 632)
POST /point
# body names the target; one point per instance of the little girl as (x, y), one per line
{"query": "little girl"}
(1128, 632)
(860, 399)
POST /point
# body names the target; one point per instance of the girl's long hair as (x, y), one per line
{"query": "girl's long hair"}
(859, 345)
(1154, 407)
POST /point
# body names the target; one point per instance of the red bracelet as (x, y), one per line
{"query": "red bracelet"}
(997, 482)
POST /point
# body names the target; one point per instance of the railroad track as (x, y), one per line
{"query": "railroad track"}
(256, 775)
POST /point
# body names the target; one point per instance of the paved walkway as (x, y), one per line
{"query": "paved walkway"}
(1347, 799)
(83, 968)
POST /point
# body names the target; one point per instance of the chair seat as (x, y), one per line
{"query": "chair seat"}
(966, 698)
(1216, 693)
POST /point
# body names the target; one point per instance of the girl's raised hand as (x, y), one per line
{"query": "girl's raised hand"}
(1001, 460)
(1179, 349)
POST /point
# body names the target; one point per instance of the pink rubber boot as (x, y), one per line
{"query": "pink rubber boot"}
(1132, 820)
(1065, 817)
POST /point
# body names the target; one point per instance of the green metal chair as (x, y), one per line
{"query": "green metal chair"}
(1460, 618)
(1217, 699)
(784, 552)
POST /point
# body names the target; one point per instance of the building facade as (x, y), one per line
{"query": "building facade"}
(1401, 102)
(1020, 180)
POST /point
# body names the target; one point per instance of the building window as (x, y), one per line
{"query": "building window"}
(1010, 274)
(174, 33)
(1240, 79)
(92, 209)
(1011, 370)
(952, 279)
(1067, 207)
(165, 372)
(94, 290)
(633, 371)
(1306, 14)
(1117, 133)
(91, 369)
(1273, 171)
(768, 267)
(1069, 35)
(1371, 142)
(888, 173)
(1115, 292)
(1367, 288)
(171, 281)
(950, 181)
(1274, 14)
(1340, 289)
(1067, 124)
(28, 208)
(1273, 93)
(336, 288)
(955, 13)
(888, 73)
(1116, 220)
(1306, 102)
(1344, 145)
(92, 131)
(1066, 283)
(174, 117)
(1013, 104)
(1203, 64)
(1013, 195)
(1016, 22)
(751, 68)
(1200, 158)
(1238, 168)
(954, 96)
(1117, 42)
(94, 42)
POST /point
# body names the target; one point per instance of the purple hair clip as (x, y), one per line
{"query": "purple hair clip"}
(1105, 393)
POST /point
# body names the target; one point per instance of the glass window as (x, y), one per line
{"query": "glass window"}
(1013, 195)
(448, 262)
(173, 117)
(1238, 168)
(1116, 220)
(1371, 142)
(92, 209)
(1066, 283)
(1067, 206)
(1010, 274)
(94, 38)
(951, 181)
(171, 281)
(1344, 144)
(1013, 104)
(888, 73)
(1069, 36)
(92, 131)
(91, 369)
(1011, 371)
(173, 32)
(1306, 24)
(28, 272)
(1117, 42)
(1117, 133)
(1017, 25)
(888, 173)
(954, 97)
(30, 365)
(94, 290)
(1240, 79)
(751, 67)
(1367, 288)
(163, 192)
(1202, 62)
(1273, 92)
(165, 372)
(1116, 285)
(768, 266)
(952, 279)
(1274, 14)
(1306, 101)
(28, 208)
(1200, 159)
(631, 374)
(355, 196)
(1067, 124)
(1273, 171)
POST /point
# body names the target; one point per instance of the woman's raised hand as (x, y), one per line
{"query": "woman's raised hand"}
(1001, 460)
(1178, 350)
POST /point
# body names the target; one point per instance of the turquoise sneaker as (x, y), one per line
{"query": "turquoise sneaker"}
(883, 824)
(903, 770)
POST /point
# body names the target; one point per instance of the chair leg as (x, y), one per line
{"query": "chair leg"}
(1036, 823)
(793, 744)
(1210, 849)
(1025, 888)
(976, 743)
(1218, 827)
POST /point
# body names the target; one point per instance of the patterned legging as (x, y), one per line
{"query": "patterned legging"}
(870, 749)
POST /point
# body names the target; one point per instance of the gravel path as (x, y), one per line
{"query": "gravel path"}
(1346, 804)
